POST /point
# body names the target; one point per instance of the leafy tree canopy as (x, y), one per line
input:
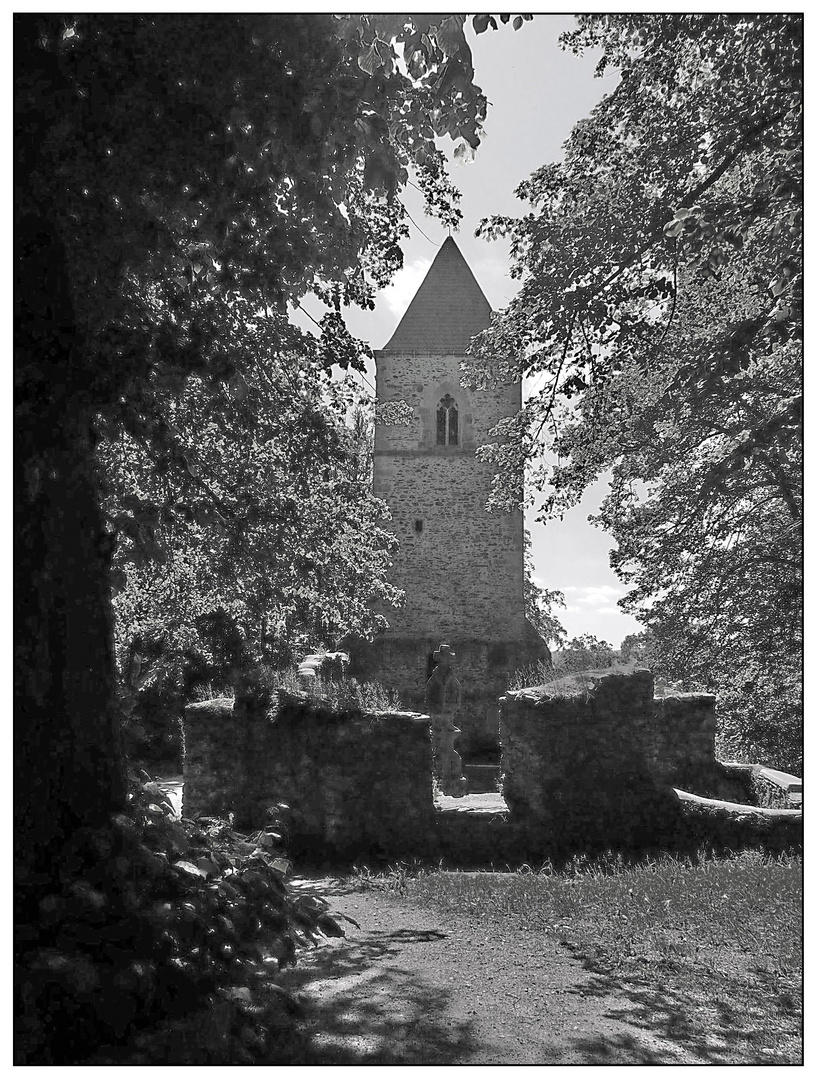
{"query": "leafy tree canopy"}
(192, 210)
(255, 509)
(176, 175)
(585, 653)
(539, 602)
(660, 317)
(272, 179)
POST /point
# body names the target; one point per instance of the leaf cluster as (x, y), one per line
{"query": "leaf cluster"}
(539, 602)
(269, 178)
(249, 496)
(154, 919)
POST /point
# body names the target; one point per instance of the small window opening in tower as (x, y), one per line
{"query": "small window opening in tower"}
(447, 422)
(418, 525)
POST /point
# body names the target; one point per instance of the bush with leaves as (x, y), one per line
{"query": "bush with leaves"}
(155, 920)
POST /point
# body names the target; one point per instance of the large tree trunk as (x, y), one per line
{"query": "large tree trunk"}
(68, 762)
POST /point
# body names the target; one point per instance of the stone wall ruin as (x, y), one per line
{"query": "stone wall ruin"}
(578, 761)
(589, 763)
(353, 782)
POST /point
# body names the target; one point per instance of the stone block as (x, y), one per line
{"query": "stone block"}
(790, 784)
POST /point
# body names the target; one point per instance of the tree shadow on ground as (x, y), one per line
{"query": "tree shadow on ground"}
(322, 883)
(362, 1005)
(693, 1015)
(361, 1008)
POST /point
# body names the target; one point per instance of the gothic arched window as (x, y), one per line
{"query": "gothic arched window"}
(447, 422)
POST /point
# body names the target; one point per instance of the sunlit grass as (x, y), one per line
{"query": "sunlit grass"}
(713, 938)
(655, 909)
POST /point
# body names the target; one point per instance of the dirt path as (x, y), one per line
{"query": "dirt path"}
(412, 987)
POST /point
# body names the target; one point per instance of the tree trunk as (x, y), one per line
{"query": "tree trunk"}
(68, 761)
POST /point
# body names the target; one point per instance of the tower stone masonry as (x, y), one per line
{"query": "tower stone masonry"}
(461, 567)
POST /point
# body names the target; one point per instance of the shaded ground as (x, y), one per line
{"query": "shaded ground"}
(409, 986)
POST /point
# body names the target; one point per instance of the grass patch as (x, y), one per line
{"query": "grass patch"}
(658, 909)
(337, 695)
(563, 679)
(708, 949)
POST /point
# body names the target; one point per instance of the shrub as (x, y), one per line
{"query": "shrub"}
(338, 695)
(153, 920)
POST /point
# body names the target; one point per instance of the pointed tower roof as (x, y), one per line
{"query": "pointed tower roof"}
(448, 309)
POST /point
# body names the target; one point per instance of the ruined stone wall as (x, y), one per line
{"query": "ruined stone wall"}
(682, 739)
(214, 759)
(356, 784)
(578, 761)
(581, 771)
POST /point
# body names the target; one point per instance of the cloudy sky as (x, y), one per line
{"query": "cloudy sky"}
(536, 92)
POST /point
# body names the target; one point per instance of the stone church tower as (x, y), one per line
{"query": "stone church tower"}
(462, 569)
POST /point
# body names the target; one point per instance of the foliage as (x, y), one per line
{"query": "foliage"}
(338, 695)
(539, 602)
(253, 509)
(642, 650)
(239, 182)
(660, 315)
(583, 653)
(181, 180)
(155, 919)
(759, 714)
(483, 22)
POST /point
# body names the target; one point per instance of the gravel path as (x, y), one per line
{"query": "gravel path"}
(410, 986)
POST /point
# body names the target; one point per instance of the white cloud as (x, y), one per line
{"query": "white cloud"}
(399, 294)
(598, 597)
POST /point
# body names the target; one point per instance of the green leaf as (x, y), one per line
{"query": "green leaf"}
(673, 228)
(370, 60)
(282, 866)
(189, 868)
(450, 35)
